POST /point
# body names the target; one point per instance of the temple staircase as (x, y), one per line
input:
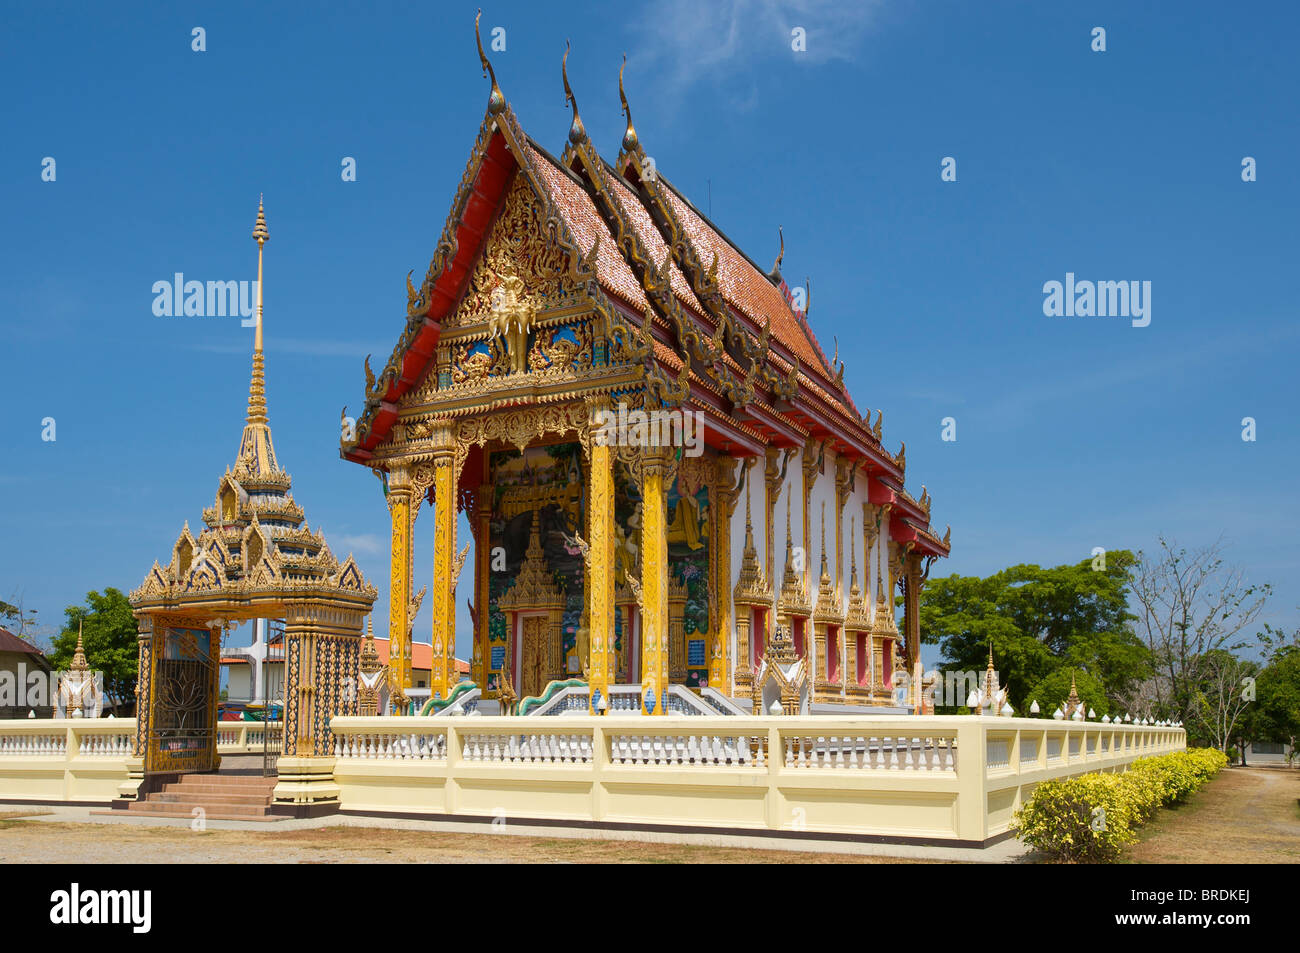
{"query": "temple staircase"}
(223, 797)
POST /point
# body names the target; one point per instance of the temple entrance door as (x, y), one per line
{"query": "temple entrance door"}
(534, 636)
(182, 726)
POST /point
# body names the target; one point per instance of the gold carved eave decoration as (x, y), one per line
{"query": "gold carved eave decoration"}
(704, 284)
(706, 355)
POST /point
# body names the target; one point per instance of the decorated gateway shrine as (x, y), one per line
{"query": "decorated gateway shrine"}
(737, 537)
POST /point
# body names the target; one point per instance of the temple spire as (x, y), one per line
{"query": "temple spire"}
(256, 453)
(257, 387)
(79, 655)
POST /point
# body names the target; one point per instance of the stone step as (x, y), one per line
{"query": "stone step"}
(208, 815)
(186, 797)
(231, 780)
(186, 809)
(200, 788)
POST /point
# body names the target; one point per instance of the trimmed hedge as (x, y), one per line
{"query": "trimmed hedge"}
(1090, 818)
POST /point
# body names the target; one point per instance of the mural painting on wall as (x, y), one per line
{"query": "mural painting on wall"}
(689, 532)
(546, 484)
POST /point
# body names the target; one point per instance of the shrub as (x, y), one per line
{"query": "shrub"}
(1090, 818)
(1084, 819)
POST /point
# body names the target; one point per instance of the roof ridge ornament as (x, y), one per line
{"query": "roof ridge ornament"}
(577, 132)
(630, 141)
(496, 99)
(775, 273)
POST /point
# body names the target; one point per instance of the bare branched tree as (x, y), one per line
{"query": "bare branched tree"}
(1226, 689)
(1190, 604)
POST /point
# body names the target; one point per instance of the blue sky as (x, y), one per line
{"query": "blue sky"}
(1072, 432)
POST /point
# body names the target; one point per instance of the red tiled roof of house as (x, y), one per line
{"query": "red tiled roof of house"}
(12, 643)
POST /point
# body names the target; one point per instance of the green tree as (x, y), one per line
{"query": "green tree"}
(1038, 621)
(109, 639)
(1055, 689)
(1275, 713)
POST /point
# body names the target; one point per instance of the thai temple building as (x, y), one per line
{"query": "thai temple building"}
(670, 489)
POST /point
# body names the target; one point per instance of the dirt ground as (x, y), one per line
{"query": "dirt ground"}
(29, 841)
(1244, 816)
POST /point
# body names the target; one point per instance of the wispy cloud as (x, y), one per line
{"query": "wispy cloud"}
(686, 41)
(363, 544)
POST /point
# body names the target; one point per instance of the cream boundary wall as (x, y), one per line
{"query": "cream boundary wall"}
(79, 759)
(955, 779)
(947, 778)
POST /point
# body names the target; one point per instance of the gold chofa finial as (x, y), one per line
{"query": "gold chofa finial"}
(630, 142)
(496, 99)
(775, 273)
(257, 387)
(577, 132)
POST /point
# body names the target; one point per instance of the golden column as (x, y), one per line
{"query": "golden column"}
(445, 479)
(600, 562)
(773, 477)
(654, 581)
(912, 620)
(399, 583)
(481, 657)
(812, 467)
(723, 510)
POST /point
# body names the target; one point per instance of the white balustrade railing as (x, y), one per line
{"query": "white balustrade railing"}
(871, 752)
(118, 744)
(539, 746)
(730, 749)
(419, 745)
(247, 737)
(34, 745)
